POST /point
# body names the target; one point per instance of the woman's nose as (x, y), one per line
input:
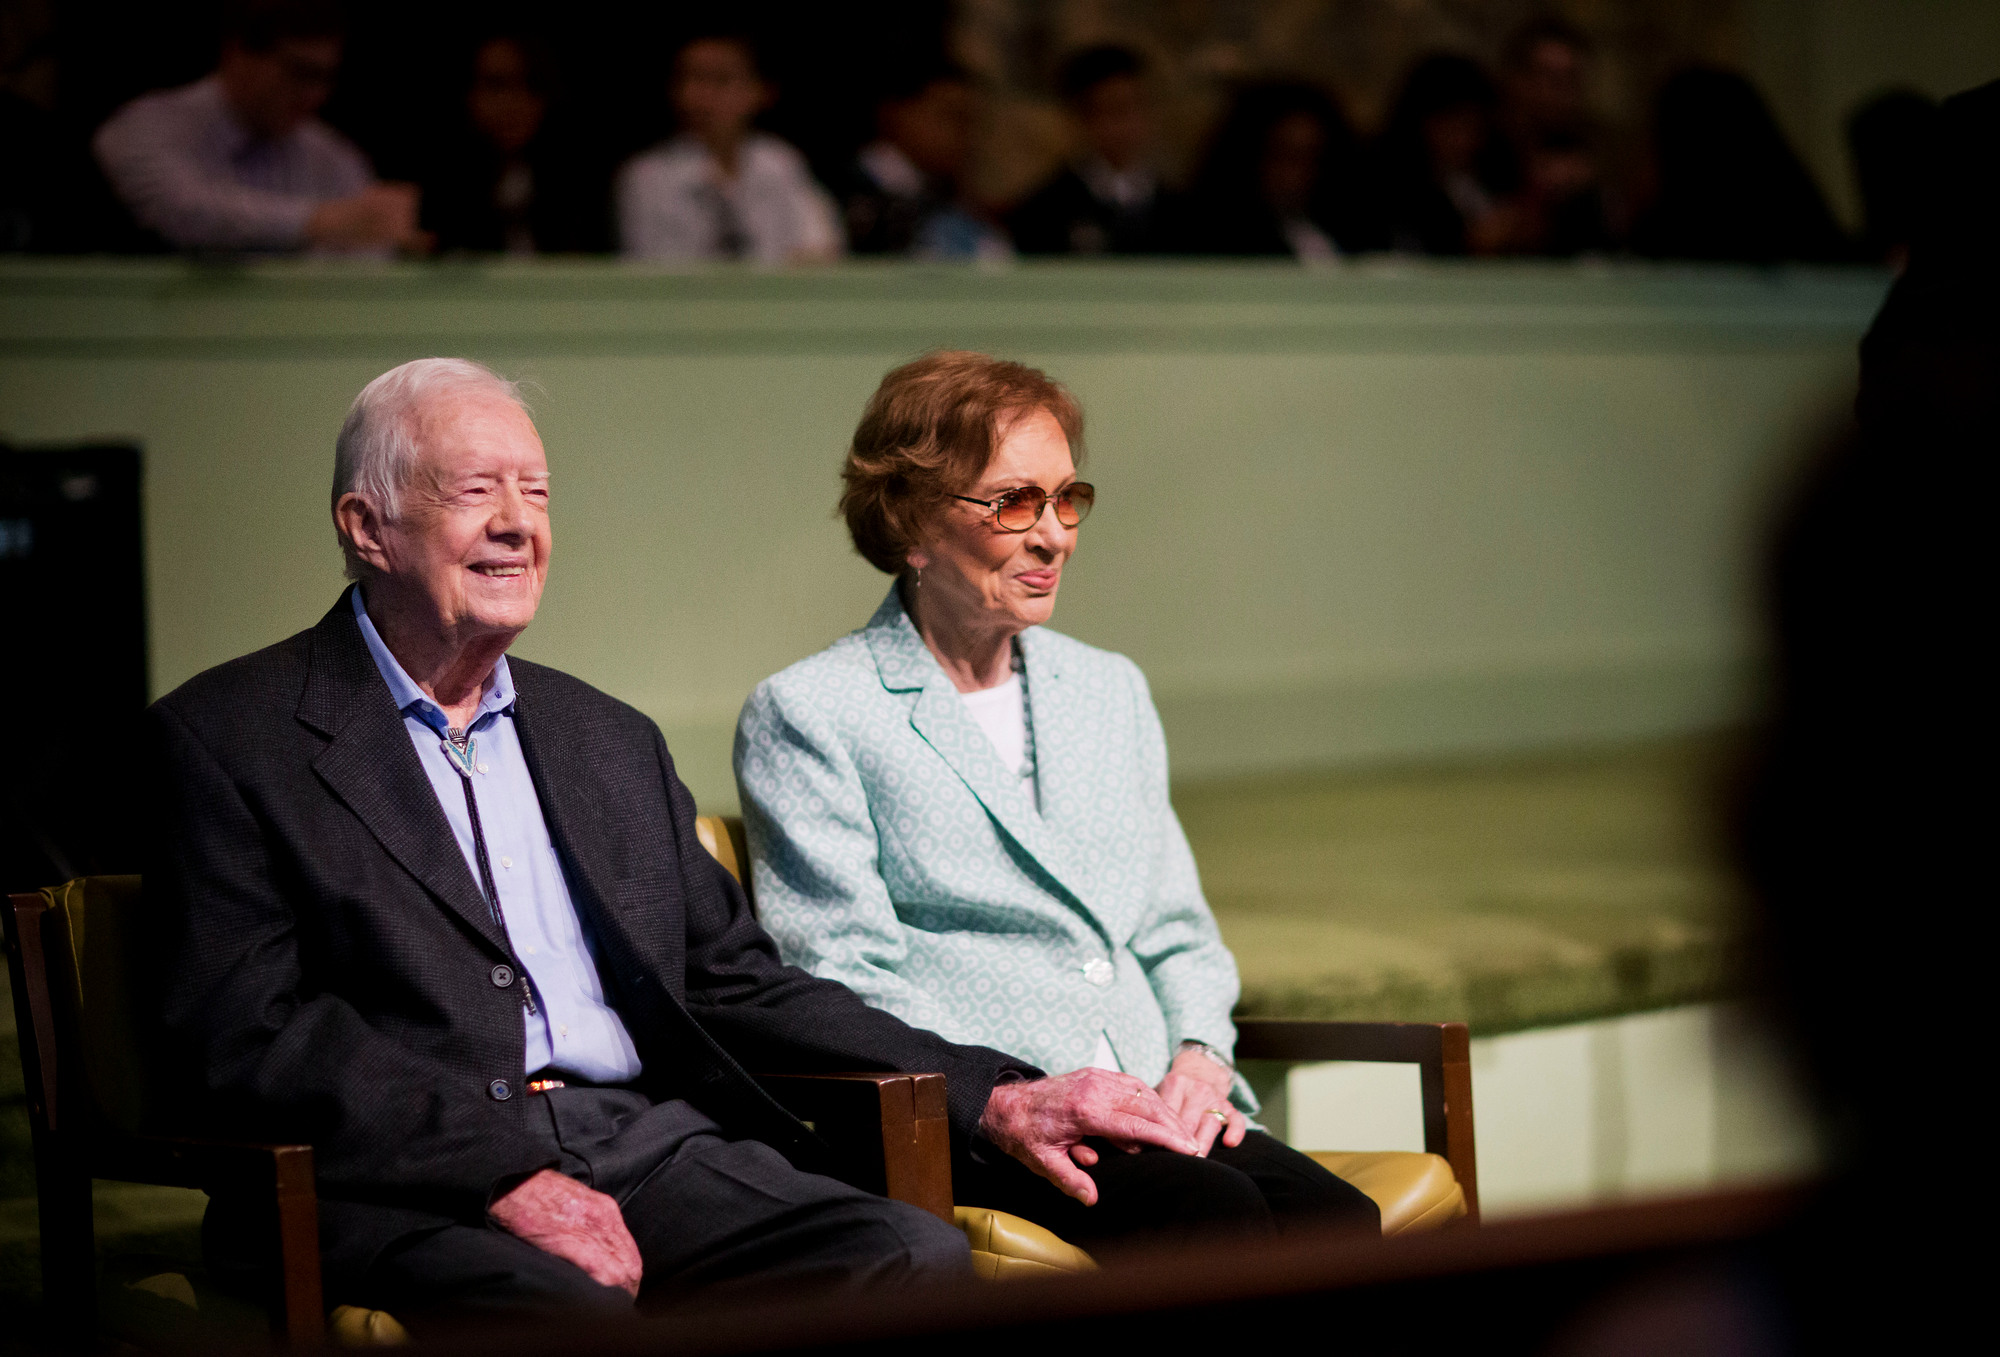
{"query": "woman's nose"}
(1049, 534)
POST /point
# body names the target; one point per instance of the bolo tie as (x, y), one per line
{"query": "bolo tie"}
(462, 748)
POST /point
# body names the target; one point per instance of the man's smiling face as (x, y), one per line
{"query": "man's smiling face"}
(473, 535)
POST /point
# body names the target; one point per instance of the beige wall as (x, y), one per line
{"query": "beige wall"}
(1363, 514)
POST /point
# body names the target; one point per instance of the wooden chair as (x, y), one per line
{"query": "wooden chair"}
(1415, 1191)
(72, 951)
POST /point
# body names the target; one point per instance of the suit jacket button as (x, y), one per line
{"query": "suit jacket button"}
(503, 976)
(501, 1090)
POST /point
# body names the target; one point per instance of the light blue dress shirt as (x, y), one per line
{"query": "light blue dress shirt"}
(572, 1029)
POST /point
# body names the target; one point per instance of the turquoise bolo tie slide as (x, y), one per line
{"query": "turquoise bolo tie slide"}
(464, 757)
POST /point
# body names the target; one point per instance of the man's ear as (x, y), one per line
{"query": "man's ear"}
(356, 520)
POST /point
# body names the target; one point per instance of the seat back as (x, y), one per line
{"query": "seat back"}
(80, 1062)
(91, 958)
(722, 836)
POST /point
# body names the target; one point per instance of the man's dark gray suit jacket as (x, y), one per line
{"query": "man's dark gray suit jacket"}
(327, 959)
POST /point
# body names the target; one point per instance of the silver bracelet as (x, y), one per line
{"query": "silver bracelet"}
(1214, 1053)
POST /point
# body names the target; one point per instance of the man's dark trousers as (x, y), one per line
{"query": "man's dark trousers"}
(706, 1212)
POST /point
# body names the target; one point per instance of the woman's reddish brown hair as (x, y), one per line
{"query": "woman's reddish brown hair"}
(928, 433)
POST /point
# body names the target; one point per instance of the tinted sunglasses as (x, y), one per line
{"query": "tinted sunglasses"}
(1019, 510)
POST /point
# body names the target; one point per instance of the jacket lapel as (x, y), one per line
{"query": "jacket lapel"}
(940, 717)
(566, 769)
(1059, 772)
(368, 763)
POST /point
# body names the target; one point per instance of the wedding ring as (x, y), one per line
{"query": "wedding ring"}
(1218, 1112)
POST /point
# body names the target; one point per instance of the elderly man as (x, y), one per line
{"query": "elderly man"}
(238, 161)
(445, 917)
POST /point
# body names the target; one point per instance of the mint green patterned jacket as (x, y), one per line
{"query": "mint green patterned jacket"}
(892, 851)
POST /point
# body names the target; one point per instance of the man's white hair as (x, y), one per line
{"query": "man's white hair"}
(376, 453)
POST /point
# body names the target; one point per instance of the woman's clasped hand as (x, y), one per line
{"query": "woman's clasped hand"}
(1196, 1090)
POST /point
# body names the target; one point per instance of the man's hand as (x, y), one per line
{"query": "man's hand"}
(559, 1215)
(380, 216)
(1197, 1088)
(1043, 1122)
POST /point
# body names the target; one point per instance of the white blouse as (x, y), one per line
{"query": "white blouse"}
(1002, 712)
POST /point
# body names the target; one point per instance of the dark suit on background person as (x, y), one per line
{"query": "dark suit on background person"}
(554, 198)
(1068, 216)
(517, 175)
(1109, 199)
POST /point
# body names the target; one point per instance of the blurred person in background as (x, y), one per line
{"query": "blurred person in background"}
(32, 146)
(1109, 200)
(506, 182)
(1730, 188)
(1440, 162)
(1888, 139)
(1280, 178)
(1549, 145)
(1853, 830)
(239, 161)
(1884, 578)
(905, 193)
(53, 197)
(30, 155)
(721, 189)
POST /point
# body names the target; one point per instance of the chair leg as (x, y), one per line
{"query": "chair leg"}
(1460, 1144)
(299, 1320)
(69, 1253)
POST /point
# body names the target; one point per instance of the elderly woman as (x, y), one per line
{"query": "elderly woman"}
(963, 816)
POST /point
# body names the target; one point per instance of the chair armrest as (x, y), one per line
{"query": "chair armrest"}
(1442, 1052)
(889, 1130)
(177, 1161)
(279, 1174)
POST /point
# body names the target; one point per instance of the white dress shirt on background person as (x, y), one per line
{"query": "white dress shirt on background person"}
(676, 203)
(186, 166)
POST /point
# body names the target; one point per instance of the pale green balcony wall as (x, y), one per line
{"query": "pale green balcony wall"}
(1378, 512)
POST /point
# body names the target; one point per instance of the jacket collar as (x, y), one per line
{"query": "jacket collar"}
(370, 765)
(939, 715)
(497, 697)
